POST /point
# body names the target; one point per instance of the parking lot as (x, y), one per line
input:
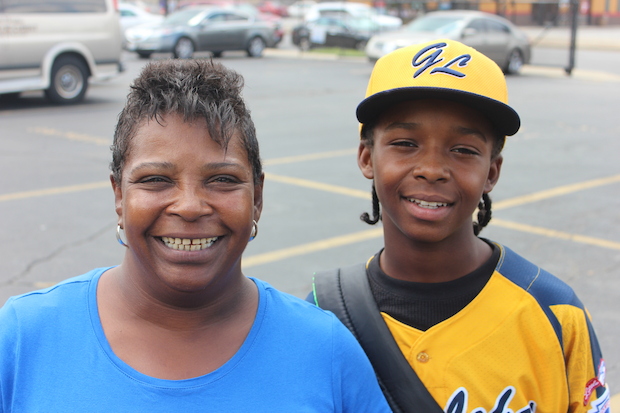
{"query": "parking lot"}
(557, 201)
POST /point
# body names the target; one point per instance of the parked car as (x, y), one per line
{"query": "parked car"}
(57, 46)
(132, 15)
(491, 35)
(243, 7)
(195, 29)
(300, 8)
(348, 33)
(354, 10)
(273, 7)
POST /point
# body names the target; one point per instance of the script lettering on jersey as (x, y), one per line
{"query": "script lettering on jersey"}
(430, 57)
(458, 403)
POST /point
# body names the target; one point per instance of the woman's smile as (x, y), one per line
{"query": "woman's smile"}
(188, 244)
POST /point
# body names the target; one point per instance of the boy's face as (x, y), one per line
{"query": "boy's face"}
(431, 163)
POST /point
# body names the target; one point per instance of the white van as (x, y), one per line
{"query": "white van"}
(57, 45)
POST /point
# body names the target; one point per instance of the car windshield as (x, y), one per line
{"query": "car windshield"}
(436, 24)
(362, 24)
(184, 17)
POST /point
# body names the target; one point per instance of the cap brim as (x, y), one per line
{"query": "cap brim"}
(503, 117)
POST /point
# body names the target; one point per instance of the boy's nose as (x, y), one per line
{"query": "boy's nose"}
(431, 166)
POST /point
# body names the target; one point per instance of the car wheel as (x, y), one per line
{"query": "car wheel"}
(144, 55)
(217, 54)
(515, 62)
(361, 45)
(256, 47)
(305, 44)
(68, 80)
(184, 49)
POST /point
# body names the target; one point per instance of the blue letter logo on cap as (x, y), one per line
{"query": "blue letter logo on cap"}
(433, 59)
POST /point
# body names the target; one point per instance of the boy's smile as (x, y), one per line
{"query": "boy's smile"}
(431, 163)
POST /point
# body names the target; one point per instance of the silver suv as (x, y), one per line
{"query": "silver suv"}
(57, 45)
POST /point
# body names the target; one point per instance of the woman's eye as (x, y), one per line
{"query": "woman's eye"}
(225, 179)
(153, 179)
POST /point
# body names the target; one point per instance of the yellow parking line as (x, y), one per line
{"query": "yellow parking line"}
(318, 186)
(303, 249)
(553, 192)
(309, 157)
(615, 403)
(551, 233)
(55, 191)
(71, 136)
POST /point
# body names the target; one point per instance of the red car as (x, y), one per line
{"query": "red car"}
(273, 7)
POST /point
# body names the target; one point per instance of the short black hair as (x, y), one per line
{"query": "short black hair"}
(195, 89)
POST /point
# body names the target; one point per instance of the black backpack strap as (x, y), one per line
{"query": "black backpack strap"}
(346, 292)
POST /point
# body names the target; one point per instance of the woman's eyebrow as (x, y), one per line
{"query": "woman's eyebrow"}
(154, 165)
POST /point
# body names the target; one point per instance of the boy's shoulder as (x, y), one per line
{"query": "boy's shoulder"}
(545, 287)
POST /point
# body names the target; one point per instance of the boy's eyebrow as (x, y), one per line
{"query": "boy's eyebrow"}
(470, 131)
(402, 125)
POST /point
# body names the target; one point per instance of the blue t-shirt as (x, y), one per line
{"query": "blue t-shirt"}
(296, 358)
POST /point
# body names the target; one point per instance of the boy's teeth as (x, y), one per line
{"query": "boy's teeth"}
(430, 205)
(188, 244)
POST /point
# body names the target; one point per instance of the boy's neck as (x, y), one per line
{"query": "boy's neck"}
(434, 262)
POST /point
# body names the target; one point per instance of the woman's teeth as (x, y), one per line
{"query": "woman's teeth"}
(188, 244)
(429, 205)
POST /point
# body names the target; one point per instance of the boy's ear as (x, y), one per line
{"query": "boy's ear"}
(494, 172)
(364, 161)
(118, 199)
(258, 197)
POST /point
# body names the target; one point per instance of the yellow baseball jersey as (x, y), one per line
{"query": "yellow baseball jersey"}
(525, 344)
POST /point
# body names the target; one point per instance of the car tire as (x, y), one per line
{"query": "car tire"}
(361, 45)
(184, 48)
(256, 46)
(68, 80)
(217, 54)
(305, 44)
(144, 55)
(514, 63)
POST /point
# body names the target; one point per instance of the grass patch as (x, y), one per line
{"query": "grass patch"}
(338, 51)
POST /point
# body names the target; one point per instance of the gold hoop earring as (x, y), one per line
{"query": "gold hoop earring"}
(254, 232)
(118, 236)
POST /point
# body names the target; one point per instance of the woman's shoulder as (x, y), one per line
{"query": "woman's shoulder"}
(60, 295)
(293, 310)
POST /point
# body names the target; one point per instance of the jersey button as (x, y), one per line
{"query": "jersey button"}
(423, 357)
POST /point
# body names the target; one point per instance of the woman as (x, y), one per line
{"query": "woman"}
(177, 326)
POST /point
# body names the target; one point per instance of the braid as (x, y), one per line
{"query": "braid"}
(484, 214)
(376, 209)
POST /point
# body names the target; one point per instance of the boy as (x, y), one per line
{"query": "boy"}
(483, 329)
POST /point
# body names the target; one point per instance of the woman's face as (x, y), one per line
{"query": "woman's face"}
(186, 206)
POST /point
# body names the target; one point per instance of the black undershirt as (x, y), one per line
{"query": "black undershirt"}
(422, 305)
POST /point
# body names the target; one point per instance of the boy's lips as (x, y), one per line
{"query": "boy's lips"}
(188, 244)
(428, 202)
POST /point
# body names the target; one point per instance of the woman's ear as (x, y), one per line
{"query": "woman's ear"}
(258, 197)
(364, 161)
(494, 172)
(118, 199)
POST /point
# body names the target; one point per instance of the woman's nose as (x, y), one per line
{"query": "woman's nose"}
(190, 203)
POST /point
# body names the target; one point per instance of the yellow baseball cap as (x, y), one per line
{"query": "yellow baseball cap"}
(440, 69)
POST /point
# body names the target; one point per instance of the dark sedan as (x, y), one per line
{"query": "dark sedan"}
(203, 29)
(332, 31)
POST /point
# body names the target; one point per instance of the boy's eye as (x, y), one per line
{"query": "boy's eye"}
(466, 151)
(407, 144)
